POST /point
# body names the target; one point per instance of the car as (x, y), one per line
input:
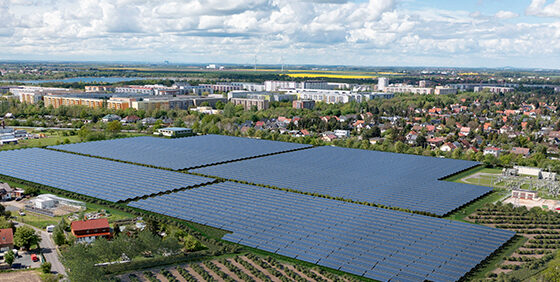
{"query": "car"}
(34, 257)
(22, 213)
(15, 251)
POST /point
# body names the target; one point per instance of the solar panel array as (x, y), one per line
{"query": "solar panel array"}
(377, 243)
(390, 179)
(103, 179)
(180, 153)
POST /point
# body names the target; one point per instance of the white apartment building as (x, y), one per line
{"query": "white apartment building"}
(382, 82)
(273, 85)
(404, 88)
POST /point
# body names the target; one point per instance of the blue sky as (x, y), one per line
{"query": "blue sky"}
(476, 33)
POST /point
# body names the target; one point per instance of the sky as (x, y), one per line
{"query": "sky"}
(442, 33)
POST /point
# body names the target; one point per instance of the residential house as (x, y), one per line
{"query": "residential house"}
(148, 121)
(6, 239)
(341, 133)
(464, 131)
(495, 151)
(9, 193)
(86, 231)
(448, 147)
(520, 151)
(110, 117)
(435, 142)
(130, 119)
(411, 137)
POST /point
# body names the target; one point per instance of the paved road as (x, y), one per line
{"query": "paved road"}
(48, 249)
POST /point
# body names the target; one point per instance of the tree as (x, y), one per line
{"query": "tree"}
(26, 237)
(191, 244)
(46, 267)
(84, 132)
(9, 257)
(153, 226)
(31, 191)
(229, 110)
(114, 127)
(58, 236)
(116, 229)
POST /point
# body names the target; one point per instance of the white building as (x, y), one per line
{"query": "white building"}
(316, 84)
(338, 96)
(404, 88)
(340, 133)
(382, 82)
(174, 131)
(273, 85)
(444, 90)
(494, 89)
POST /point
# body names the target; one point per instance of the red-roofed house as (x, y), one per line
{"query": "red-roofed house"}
(6, 239)
(464, 131)
(448, 147)
(520, 151)
(88, 230)
(436, 141)
(430, 128)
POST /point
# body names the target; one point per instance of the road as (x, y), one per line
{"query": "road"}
(48, 248)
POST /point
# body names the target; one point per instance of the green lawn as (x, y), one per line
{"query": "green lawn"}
(116, 214)
(483, 180)
(55, 138)
(460, 214)
(38, 220)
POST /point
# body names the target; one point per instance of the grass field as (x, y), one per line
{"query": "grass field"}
(50, 140)
(477, 176)
(465, 211)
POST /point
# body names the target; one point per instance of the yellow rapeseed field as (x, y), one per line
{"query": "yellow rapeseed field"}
(314, 75)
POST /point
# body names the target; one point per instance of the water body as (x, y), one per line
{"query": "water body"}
(82, 79)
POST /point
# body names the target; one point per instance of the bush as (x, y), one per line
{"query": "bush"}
(46, 267)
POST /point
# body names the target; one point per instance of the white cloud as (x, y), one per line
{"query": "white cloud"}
(505, 15)
(311, 31)
(542, 9)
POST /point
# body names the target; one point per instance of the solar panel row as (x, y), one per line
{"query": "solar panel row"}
(180, 153)
(376, 243)
(103, 179)
(396, 180)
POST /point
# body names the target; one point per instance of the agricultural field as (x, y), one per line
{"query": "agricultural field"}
(324, 75)
(21, 276)
(247, 267)
(540, 232)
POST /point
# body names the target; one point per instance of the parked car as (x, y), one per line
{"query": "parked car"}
(34, 257)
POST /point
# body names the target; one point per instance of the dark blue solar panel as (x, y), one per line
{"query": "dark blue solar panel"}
(98, 178)
(180, 153)
(390, 244)
(396, 180)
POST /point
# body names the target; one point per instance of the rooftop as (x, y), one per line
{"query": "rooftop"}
(80, 225)
(6, 236)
